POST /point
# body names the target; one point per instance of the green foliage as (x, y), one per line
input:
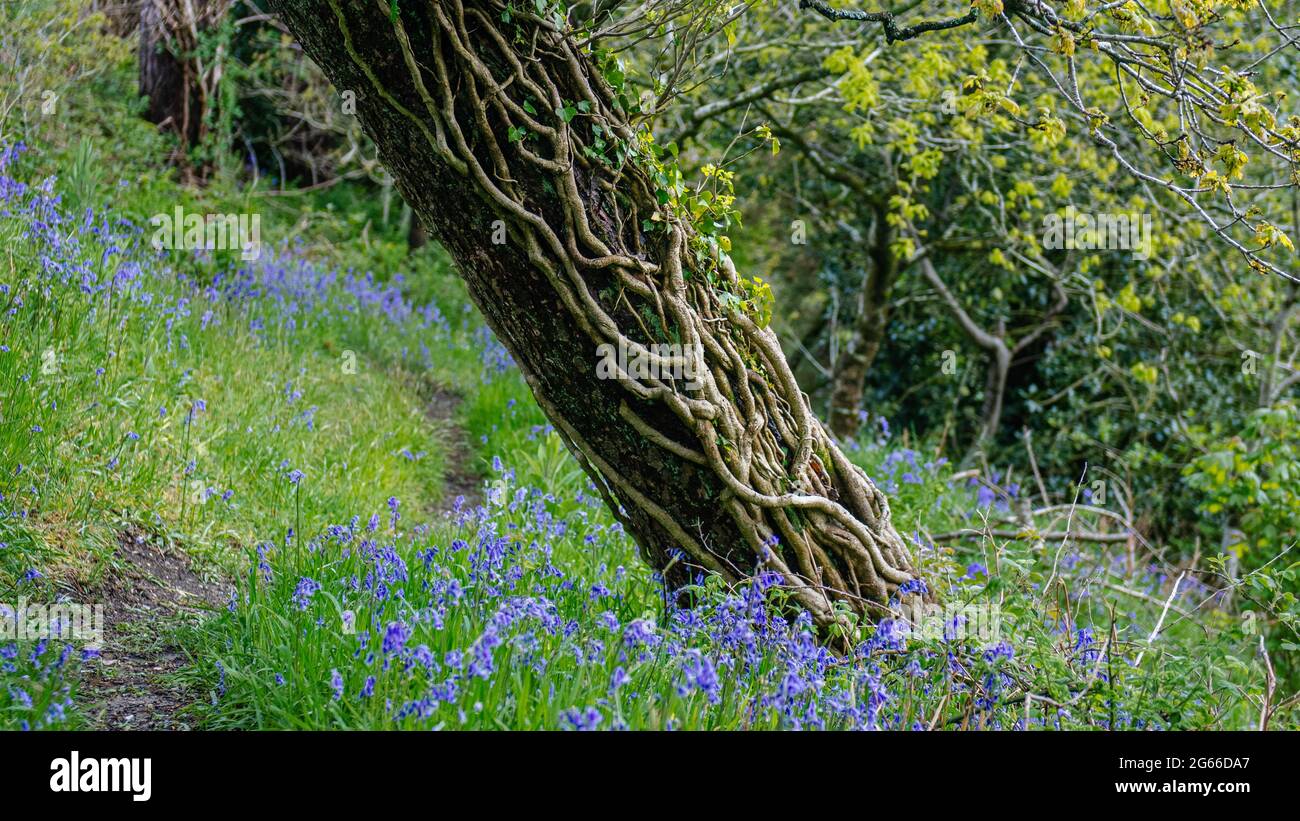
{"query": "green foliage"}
(1252, 478)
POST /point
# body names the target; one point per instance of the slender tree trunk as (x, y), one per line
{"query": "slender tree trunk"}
(1277, 332)
(995, 391)
(855, 363)
(163, 79)
(1001, 353)
(507, 142)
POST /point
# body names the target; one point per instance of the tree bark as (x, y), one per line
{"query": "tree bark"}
(505, 139)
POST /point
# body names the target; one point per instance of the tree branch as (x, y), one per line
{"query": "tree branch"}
(893, 33)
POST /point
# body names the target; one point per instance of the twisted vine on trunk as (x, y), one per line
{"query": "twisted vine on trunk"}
(732, 474)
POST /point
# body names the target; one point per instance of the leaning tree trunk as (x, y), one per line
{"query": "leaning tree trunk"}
(178, 85)
(497, 134)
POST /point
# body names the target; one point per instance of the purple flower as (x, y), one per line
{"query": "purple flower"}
(640, 632)
(588, 719)
(306, 589)
(395, 637)
(336, 682)
(618, 679)
(699, 674)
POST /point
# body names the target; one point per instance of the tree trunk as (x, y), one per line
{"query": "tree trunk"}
(868, 333)
(1001, 353)
(178, 85)
(995, 391)
(497, 134)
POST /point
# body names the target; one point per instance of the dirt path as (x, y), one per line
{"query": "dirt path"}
(459, 477)
(147, 590)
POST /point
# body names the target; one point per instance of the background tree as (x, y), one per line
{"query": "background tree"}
(181, 65)
(884, 157)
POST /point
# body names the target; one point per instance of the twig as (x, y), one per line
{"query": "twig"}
(1270, 686)
(1168, 602)
(1033, 463)
(1077, 535)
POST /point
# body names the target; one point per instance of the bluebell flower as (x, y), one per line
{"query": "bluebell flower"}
(302, 594)
(336, 683)
(588, 719)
